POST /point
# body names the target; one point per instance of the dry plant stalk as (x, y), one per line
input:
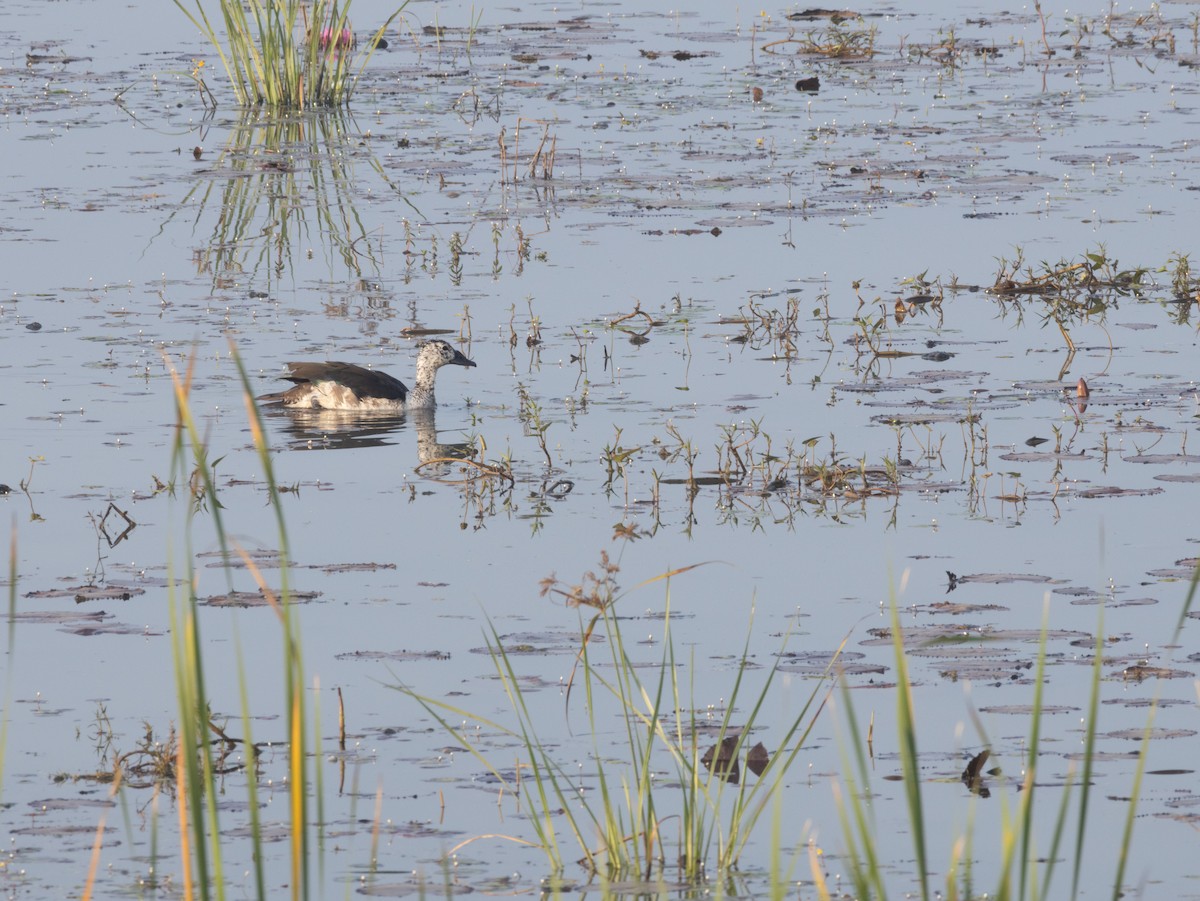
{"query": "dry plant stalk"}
(94, 863)
(503, 156)
(341, 720)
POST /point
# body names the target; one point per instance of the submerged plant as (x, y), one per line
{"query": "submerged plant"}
(1079, 282)
(837, 41)
(1183, 285)
(530, 414)
(1073, 291)
(287, 54)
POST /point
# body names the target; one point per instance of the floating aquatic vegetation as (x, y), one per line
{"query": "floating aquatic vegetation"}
(110, 591)
(263, 597)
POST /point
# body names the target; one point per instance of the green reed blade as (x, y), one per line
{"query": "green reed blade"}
(256, 835)
(1089, 752)
(909, 761)
(1135, 794)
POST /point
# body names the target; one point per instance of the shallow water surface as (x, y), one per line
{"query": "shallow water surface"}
(717, 319)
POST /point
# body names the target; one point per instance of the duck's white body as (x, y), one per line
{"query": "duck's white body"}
(345, 386)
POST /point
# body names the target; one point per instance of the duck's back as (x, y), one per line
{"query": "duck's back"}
(363, 382)
(342, 386)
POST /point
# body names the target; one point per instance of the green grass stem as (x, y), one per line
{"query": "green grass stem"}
(1131, 808)
(909, 761)
(1089, 753)
(858, 811)
(196, 780)
(12, 645)
(260, 883)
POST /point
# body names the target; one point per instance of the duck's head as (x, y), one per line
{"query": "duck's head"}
(438, 353)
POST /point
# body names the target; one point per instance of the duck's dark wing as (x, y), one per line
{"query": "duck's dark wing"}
(363, 382)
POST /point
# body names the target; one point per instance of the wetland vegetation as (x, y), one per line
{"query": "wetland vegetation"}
(861, 343)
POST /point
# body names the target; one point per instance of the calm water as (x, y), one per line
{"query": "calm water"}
(673, 193)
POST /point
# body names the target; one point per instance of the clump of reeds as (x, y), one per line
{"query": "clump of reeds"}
(288, 54)
(1025, 866)
(631, 822)
(196, 775)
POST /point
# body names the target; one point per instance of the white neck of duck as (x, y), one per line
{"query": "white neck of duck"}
(420, 396)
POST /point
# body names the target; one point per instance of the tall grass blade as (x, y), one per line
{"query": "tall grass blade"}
(858, 826)
(256, 837)
(98, 843)
(294, 680)
(1029, 797)
(195, 774)
(12, 604)
(1089, 753)
(1135, 794)
(12, 646)
(1187, 602)
(909, 762)
(318, 779)
(185, 847)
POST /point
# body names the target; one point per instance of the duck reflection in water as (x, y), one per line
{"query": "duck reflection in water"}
(339, 430)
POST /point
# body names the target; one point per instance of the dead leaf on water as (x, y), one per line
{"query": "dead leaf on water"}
(1155, 734)
(999, 578)
(972, 776)
(722, 760)
(1113, 491)
(84, 593)
(60, 616)
(952, 609)
(757, 759)
(263, 559)
(1162, 458)
(1095, 600)
(350, 567)
(1140, 672)
(87, 630)
(255, 598)
(1042, 457)
(817, 663)
(399, 656)
(73, 804)
(1104, 755)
